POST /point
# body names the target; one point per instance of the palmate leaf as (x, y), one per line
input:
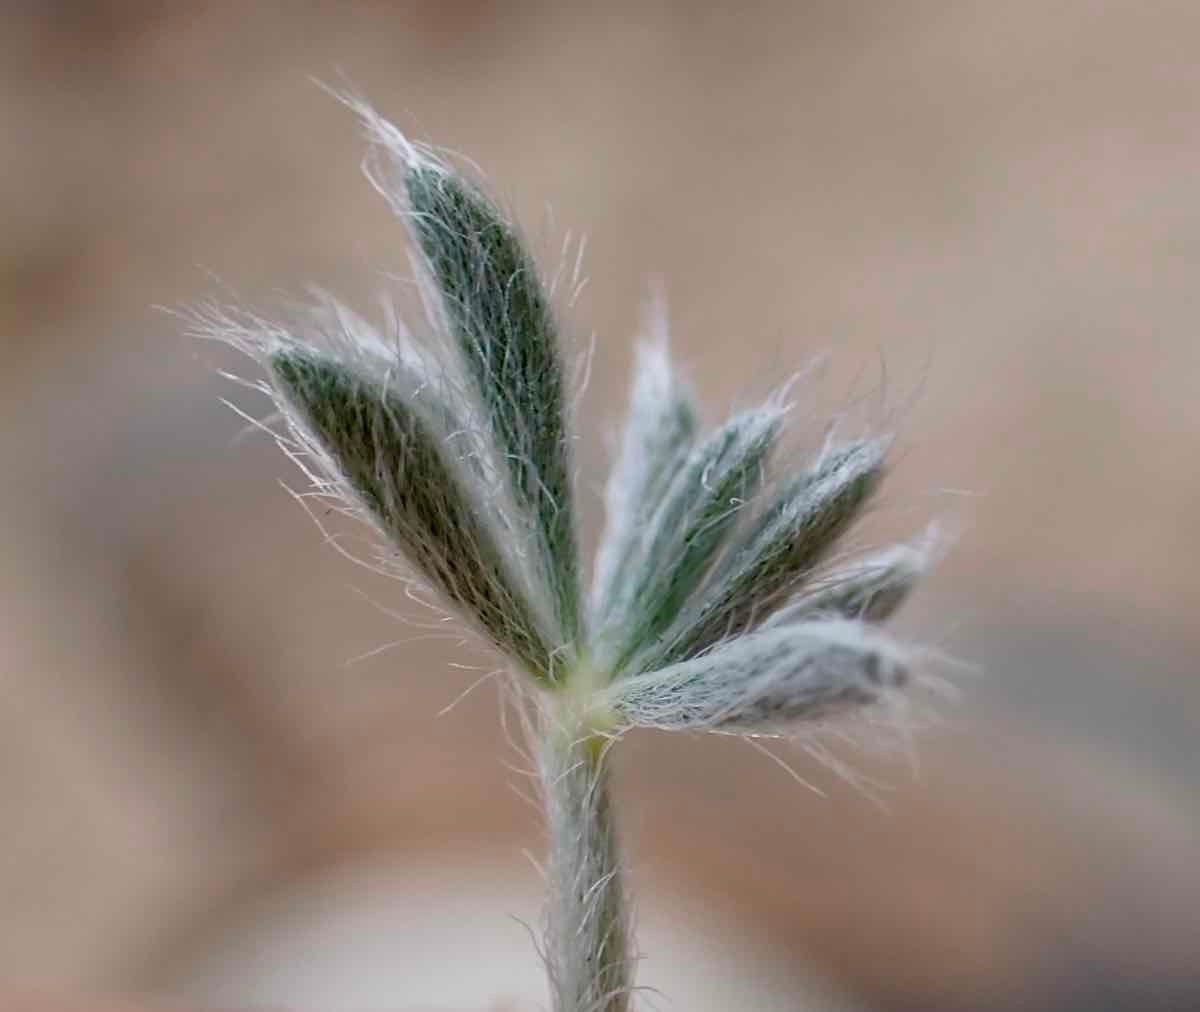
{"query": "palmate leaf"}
(456, 447)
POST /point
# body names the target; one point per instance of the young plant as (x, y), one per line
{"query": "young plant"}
(711, 606)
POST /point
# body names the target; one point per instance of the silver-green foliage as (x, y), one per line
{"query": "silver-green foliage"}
(709, 607)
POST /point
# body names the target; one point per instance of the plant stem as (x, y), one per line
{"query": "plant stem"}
(587, 940)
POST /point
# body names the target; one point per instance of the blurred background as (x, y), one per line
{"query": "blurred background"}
(986, 215)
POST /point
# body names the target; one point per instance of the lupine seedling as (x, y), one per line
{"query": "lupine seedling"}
(713, 602)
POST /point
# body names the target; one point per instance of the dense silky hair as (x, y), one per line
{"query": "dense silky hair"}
(713, 604)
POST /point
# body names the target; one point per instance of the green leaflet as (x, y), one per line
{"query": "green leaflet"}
(660, 429)
(765, 680)
(788, 540)
(697, 513)
(870, 589)
(389, 456)
(498, 311)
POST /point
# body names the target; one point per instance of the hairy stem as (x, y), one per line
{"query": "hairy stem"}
(587, 931)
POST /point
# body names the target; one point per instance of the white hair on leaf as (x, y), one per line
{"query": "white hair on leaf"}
(660, 430)
(767, 681)
(708, 608)
(870, 588)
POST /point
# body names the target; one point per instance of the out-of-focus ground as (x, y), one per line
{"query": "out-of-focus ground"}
(988, 215)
